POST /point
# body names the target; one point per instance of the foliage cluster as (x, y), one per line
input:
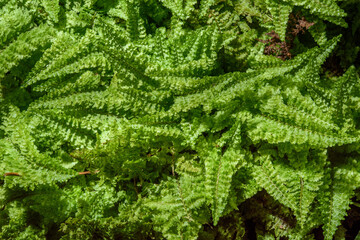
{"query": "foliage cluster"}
(179, 119)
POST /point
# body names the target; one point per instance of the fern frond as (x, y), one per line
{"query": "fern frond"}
(134, 23)
(315, 120)
(52, 8)
(64, 56)
(280, 13)
(21, 155)
(305, 181)
(205, 6)
(343, 88)
(181, 9)
(265, 128)
(24, 46)
(187, 54)
(336, 203)
(220, 168)
(227, 166)
(87, 82)
(179, 208)
(14, 21)
(318, 32)
(327, 10)
(309, 73)
(267, 177)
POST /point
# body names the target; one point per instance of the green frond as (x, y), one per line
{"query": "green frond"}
(114, 35)
(181, 9)
(13, 22)
(88, 81)
(24, 46)
(268, 178)
(64, 129)
(20, 155)
(305, 180)
(15, 226)
(159, 119)
(315, 127)
(188, 54)
(274, 131)
(52, 7)
(318, 56)
(179, 207)
(344, 86)
(220, 168)
(280, 13)
(336, 202)
(220, 180)
(205, 6)
(134, 23)
(318, 32)
(327, 10)
(57, 57)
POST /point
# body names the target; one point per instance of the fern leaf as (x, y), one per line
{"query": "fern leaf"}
(21, 155)
(327, 10)
(307, 176)
(205, 6)
(219, 180)
(25, 45)
(13, 22)
(178, 210)
(182, 9)
(267, 177)
(344, 86)
(337, 203)
(318, 32)
(220, 168)
(280, 14)
(52, 8)
(134, 23)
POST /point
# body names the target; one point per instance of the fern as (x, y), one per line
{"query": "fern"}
(179, 212)
(280, 13)
(159, 119)
(22, 156)
(220, 169)
(179, 8)
(52, 8)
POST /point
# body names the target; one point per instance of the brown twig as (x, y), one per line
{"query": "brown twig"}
(88, 172)
(12, 174)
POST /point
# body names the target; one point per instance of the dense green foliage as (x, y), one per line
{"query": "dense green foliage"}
(169, 119)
